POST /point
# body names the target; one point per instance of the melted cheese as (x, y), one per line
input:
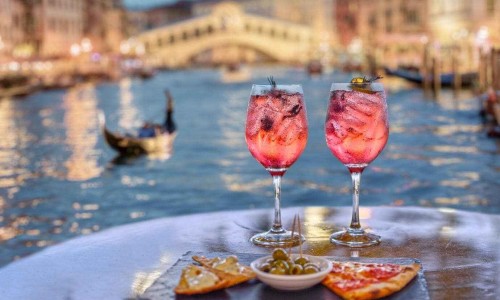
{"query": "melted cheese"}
(229, 265)
(198, 278)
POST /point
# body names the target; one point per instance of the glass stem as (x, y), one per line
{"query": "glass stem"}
(277, 227)
(356, 180)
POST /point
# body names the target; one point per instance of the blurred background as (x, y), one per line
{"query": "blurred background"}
(55, 40)
(64, 62)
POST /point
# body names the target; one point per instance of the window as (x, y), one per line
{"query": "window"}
(52, 24)
(490, 7)
(412, 17)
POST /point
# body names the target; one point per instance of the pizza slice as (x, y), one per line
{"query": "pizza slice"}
(198, 280)
(355, 280)
(227, 268)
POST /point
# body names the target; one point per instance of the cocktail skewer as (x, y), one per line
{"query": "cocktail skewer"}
(300, 234)
(293, 232)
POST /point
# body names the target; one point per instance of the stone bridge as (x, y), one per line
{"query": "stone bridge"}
(227, 27)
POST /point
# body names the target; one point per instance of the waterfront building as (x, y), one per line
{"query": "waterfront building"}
(11, 27)
(169, 14)
(104, 24)
(400, 32)
(49, 29)
(53, 26)
(137, 21)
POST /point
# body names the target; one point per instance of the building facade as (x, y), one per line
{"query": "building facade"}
(104, 24)
(12, 35)
(59, 24)
(399, 32)
(51, 28)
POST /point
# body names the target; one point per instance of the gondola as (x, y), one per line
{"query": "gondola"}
(447, 79)
(151, 139)
(16, 86)
(314, 67)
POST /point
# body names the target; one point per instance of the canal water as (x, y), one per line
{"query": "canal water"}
(59, 179)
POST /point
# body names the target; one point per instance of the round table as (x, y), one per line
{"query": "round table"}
(459, 250)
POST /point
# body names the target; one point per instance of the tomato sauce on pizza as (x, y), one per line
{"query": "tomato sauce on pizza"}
(356, 280)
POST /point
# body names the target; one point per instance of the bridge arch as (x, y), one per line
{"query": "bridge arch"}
(174, 45)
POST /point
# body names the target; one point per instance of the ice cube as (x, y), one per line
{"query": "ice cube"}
(352, 119)
(367, 98)
(357, 119)
(300, 123)
(286, 131)
(378, 130)
(289, 101)
(260, 118)
(252, 125)
(338, 130)
(274, 103)
(366, 108)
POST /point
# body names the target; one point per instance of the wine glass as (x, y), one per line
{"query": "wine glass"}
(356, 130)
(276, 135)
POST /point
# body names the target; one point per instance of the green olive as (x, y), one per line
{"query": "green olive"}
(278, 271)
(280, 253)
(280, 264)
(359, 80)
(311, 269)
(265, 267)
(295, 269)
(302, 260)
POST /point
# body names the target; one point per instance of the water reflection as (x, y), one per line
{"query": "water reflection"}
(81, 133)
(232, 124)
(128, 118)
(15, 138)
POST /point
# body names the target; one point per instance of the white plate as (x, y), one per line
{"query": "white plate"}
(293, 282)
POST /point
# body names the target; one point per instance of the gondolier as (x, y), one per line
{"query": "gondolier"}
(150, 139)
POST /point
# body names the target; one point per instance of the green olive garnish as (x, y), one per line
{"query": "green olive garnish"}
(280, 253)
(296, 269)
(363, 84)
(311, 268)
(278, 271)
(301, 260)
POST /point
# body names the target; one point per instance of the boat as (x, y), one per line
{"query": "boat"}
(447, 79)
(15, 86)
(490, 111)
(145, 73)
(314, 67)
(233, 73)
(151, 139)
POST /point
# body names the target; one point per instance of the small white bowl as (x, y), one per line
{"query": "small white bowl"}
(293, 282)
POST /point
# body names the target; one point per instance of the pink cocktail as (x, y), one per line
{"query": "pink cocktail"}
(276, 135)
(356, 130)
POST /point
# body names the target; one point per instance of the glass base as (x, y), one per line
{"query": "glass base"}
(355, 238)
(277, 239)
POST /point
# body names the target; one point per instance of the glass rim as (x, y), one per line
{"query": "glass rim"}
(278, 85)
(266, 88)
(346, 86)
